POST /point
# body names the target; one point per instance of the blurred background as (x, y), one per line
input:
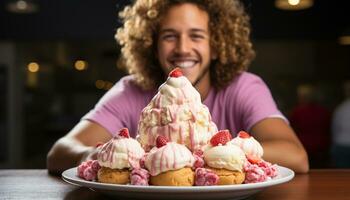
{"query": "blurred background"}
(58, 57)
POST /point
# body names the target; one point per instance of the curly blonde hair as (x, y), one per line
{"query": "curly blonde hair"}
(229, 34)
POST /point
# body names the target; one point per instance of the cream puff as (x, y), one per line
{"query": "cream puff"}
(225, 159)
(118, 157)
(170, 164)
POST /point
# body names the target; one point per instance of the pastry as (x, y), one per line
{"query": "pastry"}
(225, 159)
(170, 164)
(118, 157)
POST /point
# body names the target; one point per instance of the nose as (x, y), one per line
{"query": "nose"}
(183, 45)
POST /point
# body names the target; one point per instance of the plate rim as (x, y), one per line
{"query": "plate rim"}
(66, 176)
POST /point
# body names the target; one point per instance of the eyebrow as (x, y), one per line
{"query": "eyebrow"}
(191, 30)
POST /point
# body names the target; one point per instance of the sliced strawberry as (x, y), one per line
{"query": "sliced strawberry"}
(124, 132)
(253, 159)
(243, 134)
(221, 137)
(161, 141)
(176, 73)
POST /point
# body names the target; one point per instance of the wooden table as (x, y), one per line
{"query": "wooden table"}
(38, 184)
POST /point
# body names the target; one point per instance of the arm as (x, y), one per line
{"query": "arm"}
(76, 146)
(280, 144)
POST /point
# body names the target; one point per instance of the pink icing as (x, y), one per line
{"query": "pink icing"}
(269, 169)
(259, 172)
(134, 160)
(95, 166)
(174, 128)
(205, 177)
(106, 152)
(139, 177)
(88, 170)
(81, 169)
(199, 153)
(89, 174)
(172, 156)
(133, 151)
(198, 159)
(142, 161)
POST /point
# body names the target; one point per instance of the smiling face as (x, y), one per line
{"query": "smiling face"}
(183, 41)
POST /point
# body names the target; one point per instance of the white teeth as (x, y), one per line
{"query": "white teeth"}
(185, 64)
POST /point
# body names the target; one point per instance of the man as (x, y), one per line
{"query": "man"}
(209, 41)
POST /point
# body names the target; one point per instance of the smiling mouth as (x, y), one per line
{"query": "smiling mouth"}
(184, 64)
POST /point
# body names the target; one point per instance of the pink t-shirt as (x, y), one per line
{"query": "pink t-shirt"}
(244, 102)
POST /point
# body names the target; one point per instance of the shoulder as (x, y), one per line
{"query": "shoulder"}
(246, 79)
(125, 92)
(126, 83)
(242, 87)
(245, 82)
(127, 86)
(243, 90)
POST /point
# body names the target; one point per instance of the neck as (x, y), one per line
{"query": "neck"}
(203, 85)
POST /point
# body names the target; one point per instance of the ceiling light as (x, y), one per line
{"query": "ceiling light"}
(22, 6)
(344, 40)
(294, 4)
(33, 67)
(80, 65)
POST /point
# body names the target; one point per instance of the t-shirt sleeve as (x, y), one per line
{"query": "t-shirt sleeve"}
(254, 101)
(111, 112)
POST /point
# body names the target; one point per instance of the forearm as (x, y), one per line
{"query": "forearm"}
(66, 153)
(286, 153)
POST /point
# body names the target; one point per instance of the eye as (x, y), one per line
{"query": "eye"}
(197, 36)
(169, 37)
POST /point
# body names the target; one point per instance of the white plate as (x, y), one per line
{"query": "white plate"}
(167, 192)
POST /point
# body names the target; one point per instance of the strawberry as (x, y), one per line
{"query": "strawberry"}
(124, 132)
(161, 141)
(99, 144)
(176, 73)
(221, 137)
(243, 134)
(253, 159)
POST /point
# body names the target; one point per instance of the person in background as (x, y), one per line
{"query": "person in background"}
(311, 122)
(209, 41)
(341, 131)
